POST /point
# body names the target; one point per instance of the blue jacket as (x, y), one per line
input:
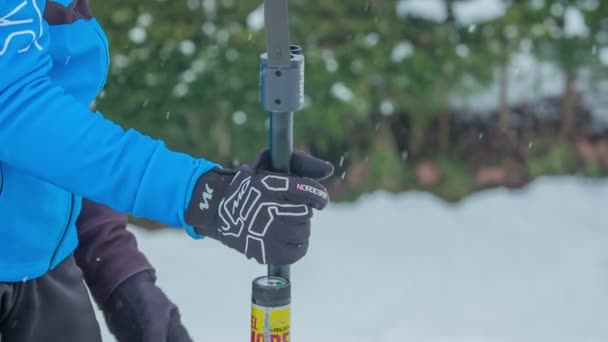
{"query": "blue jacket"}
(54, 150)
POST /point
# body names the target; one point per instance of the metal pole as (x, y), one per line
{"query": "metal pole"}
(281, 94)
(276, 17)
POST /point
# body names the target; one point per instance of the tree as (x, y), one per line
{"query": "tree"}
(444, 61)
(502, 37)
(567, 42)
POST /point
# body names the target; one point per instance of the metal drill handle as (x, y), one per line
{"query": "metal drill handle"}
(282, 91)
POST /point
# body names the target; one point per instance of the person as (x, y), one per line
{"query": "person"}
(121, 279)
(68, 176)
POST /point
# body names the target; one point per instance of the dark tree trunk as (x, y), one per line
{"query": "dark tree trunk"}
(569, 104)
(417, 133)
(503, 100)
(444, 130)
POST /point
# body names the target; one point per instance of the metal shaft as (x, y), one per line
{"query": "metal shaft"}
(281, 124)
(276, 21)
(281, 147)
(281, 140)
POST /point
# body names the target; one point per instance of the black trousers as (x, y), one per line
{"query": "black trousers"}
(53, 308)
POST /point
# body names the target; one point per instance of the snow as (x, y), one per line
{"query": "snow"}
(387, 108)
(557, 9)
(189, 75)
(466, 13)
(478, 11)
(187, 47)
(575, 25)
(463, 51)
(603, 53)
(401, 51)
(145, 19)
(501, 266)
(138, 34)
(210, 6)
(255, 19)
(208, 28)
(239, 118)
(531, 80)
(181, 90)
(341, 92)
(426, 9)
(120, 61)
(597, 98)
(372, 39)
(331, 64)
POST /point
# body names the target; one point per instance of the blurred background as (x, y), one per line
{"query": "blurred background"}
(445, 96)
(470, 139)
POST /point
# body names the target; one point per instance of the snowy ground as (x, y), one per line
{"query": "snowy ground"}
(527, 265)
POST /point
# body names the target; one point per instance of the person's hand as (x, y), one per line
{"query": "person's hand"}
(139, 311)
(261, 214)
(122, 281)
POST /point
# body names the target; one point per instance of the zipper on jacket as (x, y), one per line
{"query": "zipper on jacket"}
(65, 231)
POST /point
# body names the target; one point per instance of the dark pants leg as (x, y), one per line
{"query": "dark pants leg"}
(54, 307)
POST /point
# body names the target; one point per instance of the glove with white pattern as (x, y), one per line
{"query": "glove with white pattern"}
(262, 214)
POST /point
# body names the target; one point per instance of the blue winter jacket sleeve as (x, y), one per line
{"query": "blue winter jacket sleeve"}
(50, 135)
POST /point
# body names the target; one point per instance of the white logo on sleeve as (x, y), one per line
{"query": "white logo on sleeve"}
(207, 196)
(21, 22)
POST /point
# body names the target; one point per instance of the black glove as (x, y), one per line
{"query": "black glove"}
(262, 214)
(138, 311)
